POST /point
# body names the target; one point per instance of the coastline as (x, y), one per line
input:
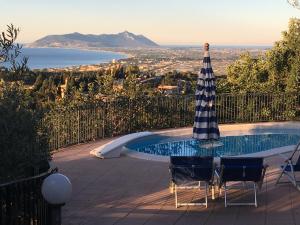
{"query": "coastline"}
(123, 56)
(86, 49)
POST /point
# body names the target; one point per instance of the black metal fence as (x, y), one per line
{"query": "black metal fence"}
(118, 117)
(22, 203)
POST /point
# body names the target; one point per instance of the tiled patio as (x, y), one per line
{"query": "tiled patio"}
(135, 192)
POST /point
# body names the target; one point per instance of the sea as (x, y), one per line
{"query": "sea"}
(45, 58)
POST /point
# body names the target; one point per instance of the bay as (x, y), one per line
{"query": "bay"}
(42, 58)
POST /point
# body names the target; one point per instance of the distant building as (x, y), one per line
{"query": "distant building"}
(168, 89)
(153, 81)
(28, 87)
(62, 89)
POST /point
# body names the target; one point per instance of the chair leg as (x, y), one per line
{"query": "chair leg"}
(240, 203)
(225, 194)
(204, 203)
(281, 174)
(294, 176)
(172, 187)
(176, 201)
(206, 194)
(290, 175)
(255, 197)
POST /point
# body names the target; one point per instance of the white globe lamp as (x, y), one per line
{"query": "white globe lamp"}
(57, 189)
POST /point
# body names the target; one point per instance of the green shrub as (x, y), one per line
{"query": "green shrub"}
(23, 145)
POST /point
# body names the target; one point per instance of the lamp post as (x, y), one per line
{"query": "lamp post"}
(57, 190)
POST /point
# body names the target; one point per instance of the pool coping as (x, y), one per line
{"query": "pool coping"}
(226, 130)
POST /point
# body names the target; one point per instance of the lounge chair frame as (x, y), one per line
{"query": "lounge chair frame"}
(186, 185)
(256, 184)
(288, 169)
(178, 187)
(227, 203)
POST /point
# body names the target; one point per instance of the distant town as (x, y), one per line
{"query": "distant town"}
(168, 59)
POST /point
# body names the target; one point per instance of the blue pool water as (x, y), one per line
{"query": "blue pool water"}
(232, 145)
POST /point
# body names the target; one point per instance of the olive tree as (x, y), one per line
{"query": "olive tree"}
(23, 144)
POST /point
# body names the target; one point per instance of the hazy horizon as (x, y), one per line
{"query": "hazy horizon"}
(196, 45)
(169, 22)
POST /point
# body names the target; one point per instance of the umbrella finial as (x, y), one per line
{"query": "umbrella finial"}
(206, 46)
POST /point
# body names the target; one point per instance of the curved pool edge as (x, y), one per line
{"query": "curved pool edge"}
(166, 159)
(145, 156)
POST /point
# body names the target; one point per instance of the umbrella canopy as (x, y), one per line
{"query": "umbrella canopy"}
(206, 124)
(294, 3)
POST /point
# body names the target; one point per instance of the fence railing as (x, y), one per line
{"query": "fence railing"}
(118, 117)
(22, 203)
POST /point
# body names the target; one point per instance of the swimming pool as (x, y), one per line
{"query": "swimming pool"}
(264, 139)
(160, 145)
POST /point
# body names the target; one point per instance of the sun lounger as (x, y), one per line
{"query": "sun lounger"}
(243, 170)
(187, 170)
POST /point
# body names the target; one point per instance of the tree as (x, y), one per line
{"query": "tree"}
(23, 144)
(284, 58)
(248, 74)
(131, 87)
(38, 82)
(293, 80)
(9, 51)
(275, 71)
(106, 83)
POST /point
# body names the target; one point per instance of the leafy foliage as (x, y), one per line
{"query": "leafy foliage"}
(277, 70)
(9, 51)
(23, 144)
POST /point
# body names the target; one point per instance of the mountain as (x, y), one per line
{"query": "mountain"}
(77, 40)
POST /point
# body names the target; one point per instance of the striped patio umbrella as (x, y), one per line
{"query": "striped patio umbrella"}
(206, 124)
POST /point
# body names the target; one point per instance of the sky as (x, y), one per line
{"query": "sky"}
(219, 22)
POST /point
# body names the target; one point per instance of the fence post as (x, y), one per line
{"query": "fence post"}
(78, 126)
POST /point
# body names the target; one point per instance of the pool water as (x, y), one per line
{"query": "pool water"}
(232, 145)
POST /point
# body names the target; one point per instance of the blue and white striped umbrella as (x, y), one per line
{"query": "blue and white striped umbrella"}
(206, 124)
